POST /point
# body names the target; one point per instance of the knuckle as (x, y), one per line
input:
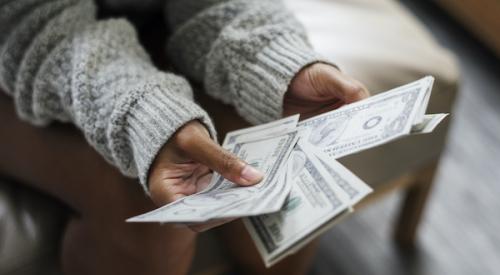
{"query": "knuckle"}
(356, 91)
(355, 88)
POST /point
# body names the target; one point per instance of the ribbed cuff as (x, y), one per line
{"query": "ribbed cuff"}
(265, 79)
(153, 119)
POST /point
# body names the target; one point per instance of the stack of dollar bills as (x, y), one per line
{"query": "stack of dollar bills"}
(305, 191)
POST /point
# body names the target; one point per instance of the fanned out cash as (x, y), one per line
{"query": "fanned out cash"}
(305, 191)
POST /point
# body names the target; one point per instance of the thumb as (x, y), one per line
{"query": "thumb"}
(201, 148)
(329, 81)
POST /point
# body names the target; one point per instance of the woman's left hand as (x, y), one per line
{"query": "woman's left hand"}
(320, 88)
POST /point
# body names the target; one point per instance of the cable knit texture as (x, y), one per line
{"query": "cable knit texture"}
(244, 52)
(59, 63)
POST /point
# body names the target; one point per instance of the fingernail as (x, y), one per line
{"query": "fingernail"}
(251, 174)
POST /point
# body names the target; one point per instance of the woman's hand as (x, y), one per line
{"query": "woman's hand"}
(320, 88)
(183, 167)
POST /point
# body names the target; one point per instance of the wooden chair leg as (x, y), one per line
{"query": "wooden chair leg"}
(413, 207)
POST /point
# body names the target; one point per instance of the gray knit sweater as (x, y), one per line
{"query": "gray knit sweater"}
(59, 63)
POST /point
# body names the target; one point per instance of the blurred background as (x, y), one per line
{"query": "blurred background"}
(460, 231)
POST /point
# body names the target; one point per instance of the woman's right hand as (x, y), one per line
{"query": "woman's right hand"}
(185, 163)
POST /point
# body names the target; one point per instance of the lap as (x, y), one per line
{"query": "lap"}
(57, 160)
(243, 251)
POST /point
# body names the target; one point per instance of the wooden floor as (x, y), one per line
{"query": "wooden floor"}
(461, 230)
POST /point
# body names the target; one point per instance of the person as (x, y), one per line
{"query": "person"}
(59, 62)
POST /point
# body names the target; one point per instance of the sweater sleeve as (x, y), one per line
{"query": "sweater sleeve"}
(245, 52)
(59, 63)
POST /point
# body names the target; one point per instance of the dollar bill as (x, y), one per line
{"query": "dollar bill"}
(256, 132)
(260, 131)
(427, 84)
(428, 124)
(305, 191)
(371, 122)
(224, 199)
(355, 188)
(315, 202)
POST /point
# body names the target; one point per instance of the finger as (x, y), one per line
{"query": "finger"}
(201, 148)
(228, 165)
(354, 91)
(172, 189)
(166, 190)
(350, 89)
(322, 78)
(338, 84)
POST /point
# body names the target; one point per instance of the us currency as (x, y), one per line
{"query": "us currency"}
(260, 131)
(355, 188)
(297, 189)
(269, 203)
(279, 234)
(315, 203)
(256, 132)
(224, 199)
(427, 82)
(428, 124)
(371, 122)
